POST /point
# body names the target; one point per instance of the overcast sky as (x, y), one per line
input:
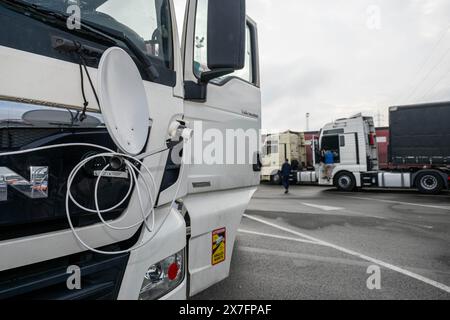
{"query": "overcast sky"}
(336, 58)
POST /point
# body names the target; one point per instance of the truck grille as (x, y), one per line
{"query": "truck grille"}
(101, 277)
(23, 216)
(12, 139)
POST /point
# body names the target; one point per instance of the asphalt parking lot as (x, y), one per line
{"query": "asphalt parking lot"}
(317, 243)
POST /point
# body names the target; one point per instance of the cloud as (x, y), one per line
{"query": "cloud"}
(322, 57)
(336, 58)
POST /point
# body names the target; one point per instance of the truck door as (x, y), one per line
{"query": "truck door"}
(348, 149)
(223, 110)
(328, 142)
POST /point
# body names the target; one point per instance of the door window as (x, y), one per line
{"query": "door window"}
(342, 141)
(201, 48)
(332, 143)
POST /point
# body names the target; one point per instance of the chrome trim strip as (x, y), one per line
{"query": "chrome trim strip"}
(45, 103)
(15, 114)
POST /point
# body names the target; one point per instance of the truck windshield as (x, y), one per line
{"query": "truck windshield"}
(145, 22)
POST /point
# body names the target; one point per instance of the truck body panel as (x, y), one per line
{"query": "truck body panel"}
(420, 135)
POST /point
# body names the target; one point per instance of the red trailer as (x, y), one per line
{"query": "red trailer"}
(383, 143)
(309, 136)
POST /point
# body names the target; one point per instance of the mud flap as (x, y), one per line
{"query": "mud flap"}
(215, 219)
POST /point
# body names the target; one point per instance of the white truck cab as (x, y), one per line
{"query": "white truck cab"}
(353, 143)
(49, 57)
(277, 148)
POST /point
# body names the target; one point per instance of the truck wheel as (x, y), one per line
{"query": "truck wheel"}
(275, 179)
(429, 183)
(345, 181)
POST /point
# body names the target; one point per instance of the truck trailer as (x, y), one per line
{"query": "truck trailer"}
(419, 151)
(95, 110)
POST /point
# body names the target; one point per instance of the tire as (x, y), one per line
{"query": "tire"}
(275, 179)
(345, 181)
(429, 183)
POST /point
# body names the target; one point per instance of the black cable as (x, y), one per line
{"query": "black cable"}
(82, 64)
(89, 78)
(82, 115)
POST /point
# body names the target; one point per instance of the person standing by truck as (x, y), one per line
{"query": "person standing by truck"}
(329, 163)
(285, 175)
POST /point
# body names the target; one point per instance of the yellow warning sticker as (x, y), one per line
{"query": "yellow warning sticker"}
(219, 246)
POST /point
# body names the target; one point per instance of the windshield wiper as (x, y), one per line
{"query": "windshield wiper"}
(104, 32)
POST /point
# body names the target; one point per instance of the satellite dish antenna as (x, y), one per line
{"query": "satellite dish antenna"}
(123, 101)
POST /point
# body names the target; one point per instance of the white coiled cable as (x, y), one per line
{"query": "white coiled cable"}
(134, 181)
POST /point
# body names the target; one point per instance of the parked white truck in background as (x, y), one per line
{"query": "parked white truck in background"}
(277, 148)
(419, 151)
(47, 96)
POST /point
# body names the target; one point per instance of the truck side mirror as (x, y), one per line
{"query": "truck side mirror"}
(226, 38)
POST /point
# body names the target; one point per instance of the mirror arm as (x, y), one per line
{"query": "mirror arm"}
(196, 91)
(207, 76)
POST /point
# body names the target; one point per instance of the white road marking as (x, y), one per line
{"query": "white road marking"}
(324, 208)
(276, 236)
(356, 254)
(404, 203)
(302, 256)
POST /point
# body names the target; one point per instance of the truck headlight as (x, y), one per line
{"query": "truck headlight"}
(163, 277)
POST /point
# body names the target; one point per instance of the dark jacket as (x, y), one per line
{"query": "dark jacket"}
(286, 170)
